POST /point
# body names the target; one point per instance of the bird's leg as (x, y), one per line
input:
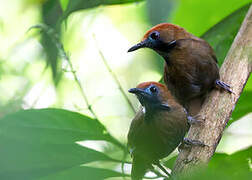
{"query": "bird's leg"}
(193, 119)
(223, 85)
(162, 168)
(187, 143)
(131, 151)
(158, 174)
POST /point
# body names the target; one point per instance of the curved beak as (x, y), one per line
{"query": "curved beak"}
(142, 44)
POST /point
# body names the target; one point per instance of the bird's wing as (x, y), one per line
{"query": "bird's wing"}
(133, 131)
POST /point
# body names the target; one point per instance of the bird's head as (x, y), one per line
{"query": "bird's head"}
(161, 38)
(152, 95)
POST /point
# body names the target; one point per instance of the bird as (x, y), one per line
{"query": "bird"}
(157, 129)
(191, 69)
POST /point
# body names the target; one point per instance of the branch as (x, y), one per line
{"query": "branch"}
(218, 107)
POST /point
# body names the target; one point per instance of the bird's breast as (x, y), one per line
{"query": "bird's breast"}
(160, 136)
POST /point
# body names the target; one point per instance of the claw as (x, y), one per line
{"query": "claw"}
(188, 143)
(194, 119)
(224, 86)
(191, 142)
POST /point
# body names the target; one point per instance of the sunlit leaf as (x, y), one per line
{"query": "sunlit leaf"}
(77, 5)
(222, 34)
(64, 4)
(52, 16)
(198, 16)
(55, 126)
(170, 162)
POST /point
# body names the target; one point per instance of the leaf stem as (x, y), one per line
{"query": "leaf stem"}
(114, 76)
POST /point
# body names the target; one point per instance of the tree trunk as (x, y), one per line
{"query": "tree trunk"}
(219, 105)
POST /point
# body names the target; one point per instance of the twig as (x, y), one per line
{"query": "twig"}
(63, 54)
(50, 31)
(218, 106)
(114, 76)
(120, 88)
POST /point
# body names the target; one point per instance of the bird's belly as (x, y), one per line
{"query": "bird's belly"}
(157, 143)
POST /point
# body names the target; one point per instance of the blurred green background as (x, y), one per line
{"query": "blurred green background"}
(34, 73)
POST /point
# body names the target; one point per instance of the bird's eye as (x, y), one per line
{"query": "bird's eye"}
(154, 35)
(153, 89)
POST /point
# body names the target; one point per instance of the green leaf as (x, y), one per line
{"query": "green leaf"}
(235, 165)
(222, 34)
(159, 10)
(77, 5)
(55, 126)
(225, 167)
(51, 14)
(197, 16)
(170, 162)
(64, 4)
(244, 105)
(39, 143)
(21, 160)
(83, 173)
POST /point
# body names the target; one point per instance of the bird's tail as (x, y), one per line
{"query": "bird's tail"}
(139, 168)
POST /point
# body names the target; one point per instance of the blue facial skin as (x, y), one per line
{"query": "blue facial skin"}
(149, 98)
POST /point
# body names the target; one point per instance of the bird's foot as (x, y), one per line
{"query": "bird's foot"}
(197, 119)
(224, 86)
(191, 142)
(188, 143)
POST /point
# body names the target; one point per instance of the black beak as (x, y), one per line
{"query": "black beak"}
(140, 92)
(136, 91)
(139, 45)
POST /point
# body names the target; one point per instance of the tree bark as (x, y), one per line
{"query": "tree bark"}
(217, 109)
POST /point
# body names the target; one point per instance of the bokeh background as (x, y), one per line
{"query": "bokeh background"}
(96, 38)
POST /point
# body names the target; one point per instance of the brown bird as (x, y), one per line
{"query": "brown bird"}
(157, 129)
(191, 68)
